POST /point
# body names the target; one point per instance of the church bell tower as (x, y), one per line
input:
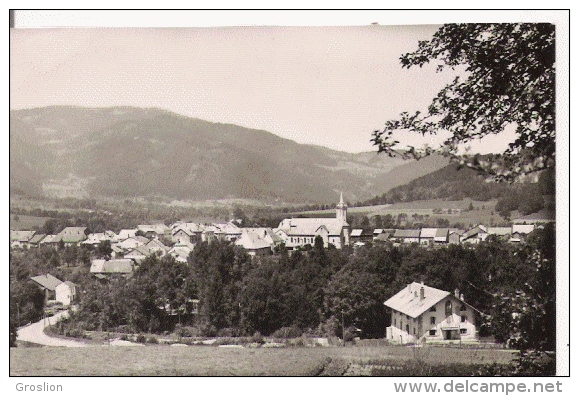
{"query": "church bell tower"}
(341, 210)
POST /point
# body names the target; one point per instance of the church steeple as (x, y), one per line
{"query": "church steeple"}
(341, 209)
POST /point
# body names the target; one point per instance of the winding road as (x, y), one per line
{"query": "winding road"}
(35, 333)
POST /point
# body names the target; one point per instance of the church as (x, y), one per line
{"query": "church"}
(303, 231)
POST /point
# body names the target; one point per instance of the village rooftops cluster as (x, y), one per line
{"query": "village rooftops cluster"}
(443, 236)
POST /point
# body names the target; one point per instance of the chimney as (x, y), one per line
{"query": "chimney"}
(421, 293)
(457, 293)
(462, 297)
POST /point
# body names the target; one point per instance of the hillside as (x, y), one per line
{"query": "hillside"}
(132, 152)
(448, 183)
(452, 183)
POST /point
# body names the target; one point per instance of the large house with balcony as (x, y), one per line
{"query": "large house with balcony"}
(421, 313)
(303, 231)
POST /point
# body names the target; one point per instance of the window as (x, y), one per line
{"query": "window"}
(432, 320)
(394, 322)
(463, 318)
(463, 308)
(408, 329)
(448, 308)
(433, 308)
(462, 331)
(432, 332)
(414, 330)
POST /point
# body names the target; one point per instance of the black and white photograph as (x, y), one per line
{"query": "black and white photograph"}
(278, 195)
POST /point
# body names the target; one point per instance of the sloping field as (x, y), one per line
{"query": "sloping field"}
(165, 360)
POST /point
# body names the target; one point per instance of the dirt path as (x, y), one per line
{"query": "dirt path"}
(35, 333)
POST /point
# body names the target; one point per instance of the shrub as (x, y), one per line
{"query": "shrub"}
(257, 338)
(124, 337)
(152, 340)
(287, 332)
(141, 339)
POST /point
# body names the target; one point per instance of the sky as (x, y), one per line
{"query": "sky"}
(329, 86)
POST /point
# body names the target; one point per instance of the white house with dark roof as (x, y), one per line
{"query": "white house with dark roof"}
(66, 292)
(48, 284)
(303, 231)
(423, 313)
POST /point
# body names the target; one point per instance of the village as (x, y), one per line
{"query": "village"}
(417, 313)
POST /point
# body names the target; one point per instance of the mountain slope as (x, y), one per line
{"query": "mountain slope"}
(128, 152)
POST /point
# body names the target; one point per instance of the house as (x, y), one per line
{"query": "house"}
(126, 233)
(523, 228)
(361, 235)
(155, 230)
(95, 239)
(502, 233)
(156, 246)
(48, 284)
(227, 231)
(454, 237)
(192, 231)
(181, 252)
(441, 236)
(267, 234)
(209, 234)
(138, 254)
(20, 239)
(51, 240)
(73, 235)
(303, 231)
(66, 293)
(423, 313)
(474, 235)
(116, 251)
(383, 238)
(406, 236)
(427, 236)
(182, 234)
(377, 232)
(35, 240)
(254, 244)
(103, 268)
(132, 242)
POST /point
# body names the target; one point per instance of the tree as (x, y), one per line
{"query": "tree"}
(104, 249)
(526, 319)
(510, 80)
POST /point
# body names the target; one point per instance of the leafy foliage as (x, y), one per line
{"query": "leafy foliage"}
(509, 80)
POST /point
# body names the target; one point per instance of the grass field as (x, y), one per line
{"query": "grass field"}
(25, 222)
(164, 360)
(483, 212)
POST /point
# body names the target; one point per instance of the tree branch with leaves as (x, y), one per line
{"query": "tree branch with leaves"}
(508, 81)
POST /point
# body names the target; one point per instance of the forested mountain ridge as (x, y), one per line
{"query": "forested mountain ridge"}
(131, 152)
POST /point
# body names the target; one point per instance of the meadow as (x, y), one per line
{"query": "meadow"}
(483, 213)
(165, 360)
